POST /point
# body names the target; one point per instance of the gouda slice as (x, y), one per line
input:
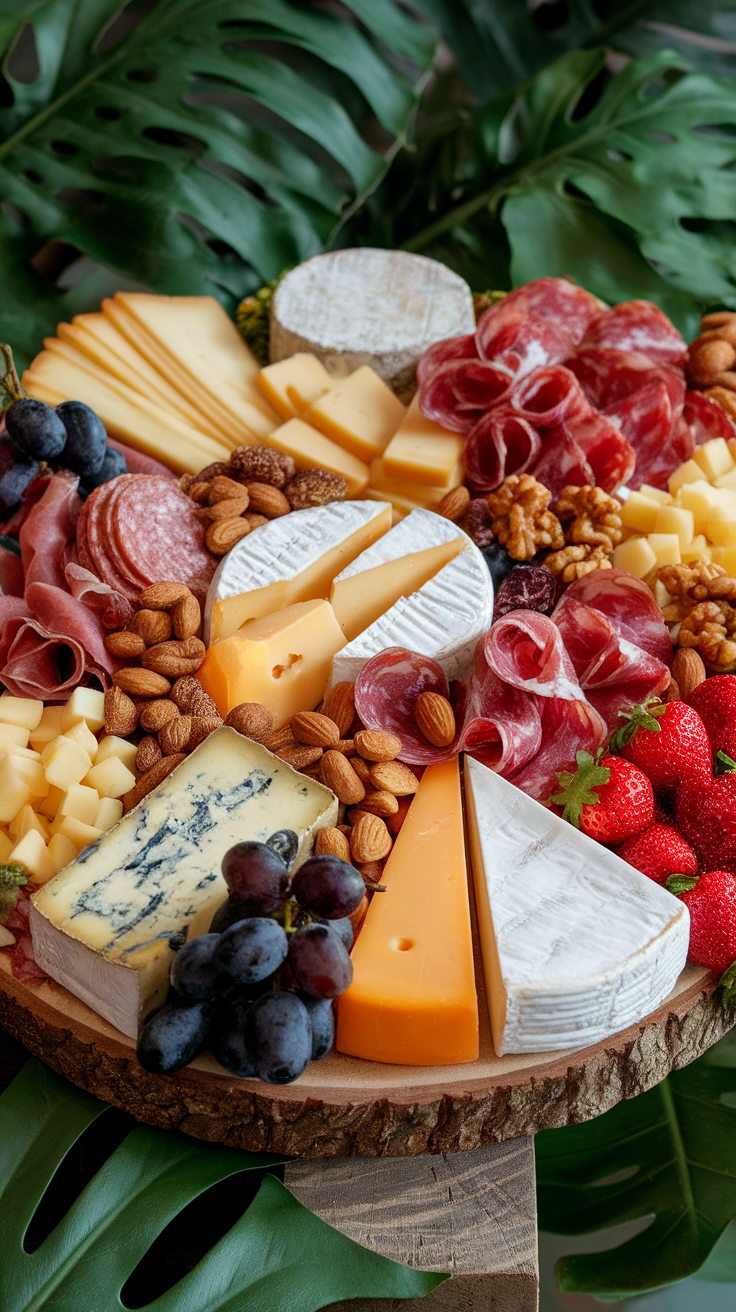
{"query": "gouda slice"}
(424, 452)
(360, 413)
(309, 448)
(290, 386)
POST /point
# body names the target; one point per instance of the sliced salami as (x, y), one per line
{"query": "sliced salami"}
(638, 326)
(630, 607)
(541, 323)
(526, 650)
(546, 395)
(386, 691)
(706, 419)
(567, 728)
(93, 547)
(460, 391)
(159, 534)
(562, 462)
(501, 443)
(502, 725)
(112, 530)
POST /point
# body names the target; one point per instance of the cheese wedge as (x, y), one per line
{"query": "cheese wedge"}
(282, 661)
(412, 1000)
(104, 927)
(421, 451)
(361, 414)
(576, 943)
(290, 386)
(395, 566)
(309, 448)
(289, 560)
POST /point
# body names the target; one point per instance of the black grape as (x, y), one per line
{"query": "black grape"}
(227, 1037)
(320, 962)
(322, 1015)
(233, 908)
(286, 845)
(328, 887)
(278, 1034)
(193, 973)
(14, 479)
(174, 1035)
(258, 875)
(113, 464)
(35, 429)
(343, 929)
(250, 950)
(86, 439)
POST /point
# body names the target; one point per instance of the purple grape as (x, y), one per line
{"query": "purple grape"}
(250, 950)
(175, 1034)
(113, 464)
(278, 1035)
(526, 587)
(193, 973)
(258, 875)
(16, 472)
(328, 887)
(35, 429)
(232, 909)
(322, 1015)
(343, 929)
(86, 439)
(320, 962)
(227, 1037)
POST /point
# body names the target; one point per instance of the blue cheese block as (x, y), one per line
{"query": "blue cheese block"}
(103, 926)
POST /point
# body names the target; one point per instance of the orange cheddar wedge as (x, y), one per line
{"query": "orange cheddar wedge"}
(413, 1000)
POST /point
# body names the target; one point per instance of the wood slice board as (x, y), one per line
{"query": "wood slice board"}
(343, 1106)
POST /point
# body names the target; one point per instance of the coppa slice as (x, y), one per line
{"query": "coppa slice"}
(103, 927)
(576, 943)
(289, 560)
(412, 999)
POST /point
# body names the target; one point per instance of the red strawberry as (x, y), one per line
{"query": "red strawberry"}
(660, 852)
(705, 814)
(668, 743)
(609, 799)
(712, 907)
(715, 702)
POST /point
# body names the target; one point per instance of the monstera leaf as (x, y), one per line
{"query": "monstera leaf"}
(201, 152)
(277, 1256)
(669, 1154)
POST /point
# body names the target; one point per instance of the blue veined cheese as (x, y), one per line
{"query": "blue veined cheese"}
(103, 926)
(577, 944)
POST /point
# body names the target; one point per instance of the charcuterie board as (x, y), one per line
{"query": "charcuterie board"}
(346, 1107)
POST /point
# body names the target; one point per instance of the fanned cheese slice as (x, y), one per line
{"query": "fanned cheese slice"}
(290, 386)
(576, 943)
(291, 559)
(443, 618)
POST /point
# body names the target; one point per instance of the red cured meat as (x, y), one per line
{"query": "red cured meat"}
(50, 643)
(541, 323)
(630, 607)
(451, 348)
(608, 376)
(500, 444)
(92, 545)
(34, 491)
(11, 573)
(459, 392)
(49, 526)
(706, 419)
(553, 396)
(115, 533)
(22, 961)
(526, 650)
(114, 609)
(561, 462)
(138, 463)
(160, 536)
(638, 326)
(546, 396)
(567, 727)
(386, 691)
(611, 456)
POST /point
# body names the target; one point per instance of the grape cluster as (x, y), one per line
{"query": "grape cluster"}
(259, 987)
(69, 437)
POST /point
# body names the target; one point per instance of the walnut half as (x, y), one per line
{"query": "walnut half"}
(521, 519)
(574, 561)
(590, 517)
(710, 628)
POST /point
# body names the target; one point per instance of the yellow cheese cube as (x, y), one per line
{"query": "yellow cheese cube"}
(79, 833)
(25, 820)
(360, 413)
(109, 811)
(666, 548)
(725, 556)
(714, 458)
(62, 850)
(689, 472)
(308, 448)
(13, 735)
(49, 726)
(635, 556)
(111, 745)
(86, 704)
(33, 853)
(80, 733)
(49, 805)
(111, 778)
(721, 526)
(6, 846)
(292, 385)
(680, 522)
(81, 802)
(655, 493)
(640, 512)
(698, 549)
(25, 711)
(421, 451)
(21, 780)
(65, 762)
(700, 498)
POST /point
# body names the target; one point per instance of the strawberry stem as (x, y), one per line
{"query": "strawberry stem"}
(727, 983)
(680, 883)
(577, 788)
(724, 764)
(639, 717)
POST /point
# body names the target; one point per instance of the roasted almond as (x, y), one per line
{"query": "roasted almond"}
(125, 645)
(300, 756)
(191, 698)
(393, 777)
(709, 358)
(156, 714)
(267, 500)
(315, 729)
(370, 839)
(162, 596)
(174, 737)
(252, 720)
(199, 490)
(151, 779)
(339, 705)
(141, 683)
(330, 842)
(175, 658)
(338, 774)
(202, 727)
(346, 746)
(149, 752)
(121, 714)
(152, 625)
(453, 504)
(673, 692)
(346, 830)
(186, 617)
(688, 670)
(282, 737)
(380, 803)
(376, 745)
(435, 718)
(394, 822)
(221, 537)
(372, 871)
(362, 769)
(255, 521)
(230, 508)
(223, 488)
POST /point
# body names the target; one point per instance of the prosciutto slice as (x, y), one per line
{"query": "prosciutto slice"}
(11, 573)
(567, 727)
(49, 526)
(51, 646)
(526, 650)
(115, 610)
(630, 607)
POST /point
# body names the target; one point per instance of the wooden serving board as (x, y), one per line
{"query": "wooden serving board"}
(343, 1106)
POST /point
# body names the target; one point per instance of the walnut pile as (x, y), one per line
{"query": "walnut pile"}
(521, 519)
(590, 517)
(710, 628)
(691, 584)
(574, 561)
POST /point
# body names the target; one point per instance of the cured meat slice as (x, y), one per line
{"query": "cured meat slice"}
(546, 395)
(540, 323)
(92, 541)
(159, 535)
(561, 462)
(112, 529)
(608, 376)
(459, 392)
(501, 443)
(386, 691)
(502, 725)
(660, 440)
(49, 527)
(138, 463)
(567, 727)
(706, 419)
(609, 453)
(630, 607)
(526, 650)
(638, 326)
(451, 348)
(114, 609)
(11, 573)
(553, 396)
(50, 644)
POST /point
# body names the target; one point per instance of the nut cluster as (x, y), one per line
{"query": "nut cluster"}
(710, 629)
(691, 584)
(521, 518)
(711, 360)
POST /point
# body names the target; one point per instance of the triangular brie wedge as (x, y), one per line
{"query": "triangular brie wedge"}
(577, 944)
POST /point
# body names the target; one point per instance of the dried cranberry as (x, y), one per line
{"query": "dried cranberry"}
(526, 587)
(476, 522)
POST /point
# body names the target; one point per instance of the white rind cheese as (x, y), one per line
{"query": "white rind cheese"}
(577, 944)
(366, 306)
(102, 927)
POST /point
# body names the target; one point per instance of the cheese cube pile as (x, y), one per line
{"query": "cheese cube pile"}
(59, 788)
(694, 520)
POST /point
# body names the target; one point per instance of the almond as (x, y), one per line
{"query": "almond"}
(339, 705)
(688, 670)
(151, 779)
(338, 774)
(156, 714)
(186, 618)
(223, 488)
(315, 729)
(174, 737)
(152, 625)
(673, 692)
(394, 822)
(394, 778)
(267, 500)
(453, 504)
(330, 842)
(149, 752)
(707, 359)
(221, 537)
(126, 646)
(202, 727)
(375, 745)
(370, 839)
(252, 720)
(199, 490)
(231, 508)
(435, 718)
(282, 737)
(121, 714)
(346, 830)
(175, 658)
(162, 596)
(255, 521)
(141, 683)
(380, 803)
(191, 698)
(362, 769)
(300, 756)
(346, 746)
(372, 872)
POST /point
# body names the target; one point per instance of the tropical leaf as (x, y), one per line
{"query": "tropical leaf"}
(215, 144)
(277, 1258)
(669, 1154)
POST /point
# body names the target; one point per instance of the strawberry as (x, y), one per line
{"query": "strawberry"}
(712, 906)
(660, 852)
(608, 798)
(715, 702)
(668, 743)
(705, 814)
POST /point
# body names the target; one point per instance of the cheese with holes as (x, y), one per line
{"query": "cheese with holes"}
(291, 559)
(443, 618)
(395, 566)
(421, 451)
(290, 386)
(576, 943)
(282, 661)
(413, 999)
(104, 926)
(309, 448)
(361, 414)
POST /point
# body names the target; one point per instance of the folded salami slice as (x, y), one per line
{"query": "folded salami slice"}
(561, 462)
(540, 323)
(546, 395)
(608, 376)
(501, 443)
(93, 540)
(638, 326)
(460, 391)
(706, 419)
(526, 650)
(503, 726)
(630, 607)
(451, 348)
(567, 728)
(660, 439)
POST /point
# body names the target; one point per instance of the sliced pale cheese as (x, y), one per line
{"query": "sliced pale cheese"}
(309, 448)
(421, 494)
(361, 414)
(282, 661)
(421, 451)
(576, 943)
(290, 386)
(291, 559)
(107, 925)
(395, 566)
(413, 1000)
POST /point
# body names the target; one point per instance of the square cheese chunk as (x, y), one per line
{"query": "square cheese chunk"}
(25, 711)
(81, 802)
(714, 458)
(109, 811)
(421, 451)
(111, 778)
(49, 726)
(33, 853)
(102, 928)
(111, 745)
(13, 735)
(360, 413)
(65, 762)
(86, 704)
(309, 448)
